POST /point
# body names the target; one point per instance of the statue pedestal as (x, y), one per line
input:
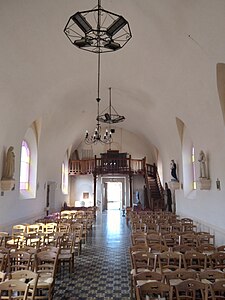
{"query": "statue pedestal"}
(204, 184)
(7, 184)
(174, 185)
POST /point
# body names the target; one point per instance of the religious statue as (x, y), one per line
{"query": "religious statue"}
(9, 165)
(173, 168)
(202, 161)
(168, 198)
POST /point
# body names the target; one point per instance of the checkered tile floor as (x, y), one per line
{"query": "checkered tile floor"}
(102, 270)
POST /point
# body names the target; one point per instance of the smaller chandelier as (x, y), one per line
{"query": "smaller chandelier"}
(110, 115)
(97, 136)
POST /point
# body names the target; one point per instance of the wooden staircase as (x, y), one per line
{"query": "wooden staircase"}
(154, 190)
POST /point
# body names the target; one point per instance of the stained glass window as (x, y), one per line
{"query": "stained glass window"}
(25, 166)
(193, 168)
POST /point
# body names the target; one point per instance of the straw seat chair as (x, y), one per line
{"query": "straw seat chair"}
(46, 266)
(217, 290)
(191, 289)
(153, 290)
(29, 277)
(9, 287)
(19, 260)
(195, 260)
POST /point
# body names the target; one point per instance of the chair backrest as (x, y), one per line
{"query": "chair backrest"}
(153, 238)
(170, 261)
(217, 289)
(217, 260)
(211, 275)
(195, 260)
(182, 274)
(151, 289)
(221, 248)
(3, 261)
(190, 288)
(138, 238)
(148, 275)
(46, 262)
(19, 260)
(27, 276)
(171, 239)
(8, 287)
(3, 237)
(144, 261)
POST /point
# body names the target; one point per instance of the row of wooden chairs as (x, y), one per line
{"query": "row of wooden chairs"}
(38, 273)
(180, 284)
(149, 266)
(38, 235)
(193, 240)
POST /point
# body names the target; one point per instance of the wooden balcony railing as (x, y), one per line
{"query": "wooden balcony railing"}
(104, 165)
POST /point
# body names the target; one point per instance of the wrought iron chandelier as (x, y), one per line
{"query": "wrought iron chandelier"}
(99, 31)
(110, 115)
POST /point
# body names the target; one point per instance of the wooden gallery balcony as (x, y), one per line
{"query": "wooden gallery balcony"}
(107, 165)
(111, 162)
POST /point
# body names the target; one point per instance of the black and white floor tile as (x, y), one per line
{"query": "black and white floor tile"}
(102, 271)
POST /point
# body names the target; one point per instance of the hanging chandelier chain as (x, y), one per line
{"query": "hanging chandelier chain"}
(85, 31)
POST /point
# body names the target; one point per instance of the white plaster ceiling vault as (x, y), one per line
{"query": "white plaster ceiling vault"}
(167, 70)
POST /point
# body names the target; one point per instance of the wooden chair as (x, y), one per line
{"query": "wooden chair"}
(211, 275)
(17, 238)
(176, 227)
(153, 290)
(151, 227)
(217, 260)
(205, 238)
(29, 277)
(138, 238)
(135, 249)
(171, 239)
(45, 266)
(19, 260)
(182, 248)
(144, 277)
(3, 262)
(164, 228)
(32, 235)
(195, 260)
(143, 261)
(189, 239)
(158, 248)
(9, 287)
(153, 238)
(217, 290)
(175, 277)
(191, 289)
(67, 251)
(221, 248)
(77, 230)
(3, 238)
(170, 261)
(206, 248)
(181, 274)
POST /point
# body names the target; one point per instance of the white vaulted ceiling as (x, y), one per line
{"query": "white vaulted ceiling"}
(166, 71)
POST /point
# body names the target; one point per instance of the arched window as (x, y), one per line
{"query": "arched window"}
(25, 167)
(193, 168)
(28, 164)
(65, 176)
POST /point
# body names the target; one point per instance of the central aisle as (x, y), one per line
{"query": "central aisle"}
(103, 269)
